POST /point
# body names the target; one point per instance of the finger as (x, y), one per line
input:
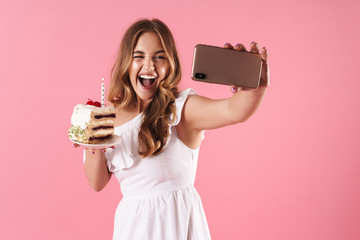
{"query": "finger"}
(265, 73)
(254, 47)
(105, 149)
(245, 89)
(228, 46)
(92, 151)
(76, 145)
(234, 89)
(264, 54)
(239, 47)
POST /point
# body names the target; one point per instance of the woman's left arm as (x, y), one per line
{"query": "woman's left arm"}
(201, 113)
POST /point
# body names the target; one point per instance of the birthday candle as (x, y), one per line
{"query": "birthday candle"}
(102, 93)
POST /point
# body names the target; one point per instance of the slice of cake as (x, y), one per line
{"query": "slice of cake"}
(91, 124)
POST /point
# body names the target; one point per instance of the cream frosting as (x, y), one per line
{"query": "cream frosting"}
(82, 115)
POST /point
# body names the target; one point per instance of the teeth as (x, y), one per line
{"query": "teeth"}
(147, 76)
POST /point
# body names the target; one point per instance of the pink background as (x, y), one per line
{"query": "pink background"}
(291, 172)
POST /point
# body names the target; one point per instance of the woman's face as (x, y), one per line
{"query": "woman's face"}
(148, 66)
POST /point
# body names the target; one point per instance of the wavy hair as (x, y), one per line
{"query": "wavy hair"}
(160, 112)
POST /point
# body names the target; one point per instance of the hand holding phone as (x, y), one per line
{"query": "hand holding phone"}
(226, 66)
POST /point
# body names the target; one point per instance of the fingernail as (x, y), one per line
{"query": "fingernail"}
(92, 152)
(74, 145)
(226, 43)
(236, 45)
(253, 43)
(103, 150)
(234, 89)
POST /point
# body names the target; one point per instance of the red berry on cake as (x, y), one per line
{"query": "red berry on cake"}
(93, 103)
(97, 104)
(89, 102)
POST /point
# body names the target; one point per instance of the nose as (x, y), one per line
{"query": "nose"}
(148, 64)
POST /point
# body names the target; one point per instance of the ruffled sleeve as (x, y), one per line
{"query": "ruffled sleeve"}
(126, 152)
(119, 158)
(179, 104)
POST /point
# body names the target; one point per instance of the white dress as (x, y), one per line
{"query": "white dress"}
(159, 199)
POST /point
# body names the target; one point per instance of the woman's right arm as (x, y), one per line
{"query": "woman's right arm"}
(96, 169)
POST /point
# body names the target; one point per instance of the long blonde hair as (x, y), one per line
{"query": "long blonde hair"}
(154, 130)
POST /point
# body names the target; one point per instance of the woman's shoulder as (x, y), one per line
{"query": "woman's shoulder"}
(124, 116)
(191, 99)
(184, 96)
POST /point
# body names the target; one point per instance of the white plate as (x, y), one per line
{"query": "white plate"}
(113, 140)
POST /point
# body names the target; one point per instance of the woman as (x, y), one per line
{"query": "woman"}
(162, 130)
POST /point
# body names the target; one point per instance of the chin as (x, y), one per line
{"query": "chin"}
(146, 95)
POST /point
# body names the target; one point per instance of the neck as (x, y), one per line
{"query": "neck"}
(141, 105)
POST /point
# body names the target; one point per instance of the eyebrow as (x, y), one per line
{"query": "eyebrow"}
(141, 52)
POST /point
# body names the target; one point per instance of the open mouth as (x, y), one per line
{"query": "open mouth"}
(147, 81)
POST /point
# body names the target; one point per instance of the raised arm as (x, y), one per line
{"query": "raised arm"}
(201, 113)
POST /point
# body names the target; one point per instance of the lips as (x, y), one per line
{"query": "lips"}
(147, 80)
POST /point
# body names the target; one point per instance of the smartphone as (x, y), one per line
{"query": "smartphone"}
(226, 66)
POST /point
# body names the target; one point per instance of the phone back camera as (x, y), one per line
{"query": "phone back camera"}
(200, 75)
